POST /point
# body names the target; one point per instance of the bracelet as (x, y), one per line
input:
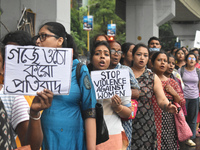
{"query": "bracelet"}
(33, 117)
(120, 110)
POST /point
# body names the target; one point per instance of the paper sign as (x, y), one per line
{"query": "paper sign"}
(111, 29)
(29, 69)
(87, 23)
(107, 83)
(197, 40)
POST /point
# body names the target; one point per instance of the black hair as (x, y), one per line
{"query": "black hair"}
(125, 47)
(104, 35)
(195, 49)
(20, 37)
(190, 53)
(153, 38)
(115, 42)
(172, 50)
(59, 30)
(170, 55)
(184, 47)
(2, 52)
(178, 51)
(92, 52)
(155, 55)
(137, 46)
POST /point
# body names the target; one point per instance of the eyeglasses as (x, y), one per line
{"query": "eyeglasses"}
(44, 36)
(191, 58)
(113, 51)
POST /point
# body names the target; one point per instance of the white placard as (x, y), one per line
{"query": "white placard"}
(197, 40)
(29, 69)
(107, 83)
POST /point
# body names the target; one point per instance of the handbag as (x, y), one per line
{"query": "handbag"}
(102, 134)
(183, 130)
(101, 128)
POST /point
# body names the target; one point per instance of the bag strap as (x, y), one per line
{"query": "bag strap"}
(78, 72)
(181, 71)
(198, 73)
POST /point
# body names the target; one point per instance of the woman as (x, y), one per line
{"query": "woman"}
(114, 107)
(180, 58)
(62, 124)
(144, 132)
(127, 57)
(191, 93)
(170, 73)
(165, 122)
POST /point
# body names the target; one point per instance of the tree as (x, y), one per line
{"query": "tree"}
(167, 37)
(103, 12)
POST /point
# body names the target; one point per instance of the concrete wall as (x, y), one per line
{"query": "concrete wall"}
(143, 18)
(46, 10)
(186, 33)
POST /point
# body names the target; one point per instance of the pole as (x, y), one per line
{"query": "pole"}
(88, 33)
(88, 39)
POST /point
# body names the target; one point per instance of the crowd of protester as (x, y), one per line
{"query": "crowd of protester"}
(158, 78)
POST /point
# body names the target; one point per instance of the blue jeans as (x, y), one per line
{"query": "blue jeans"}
(192, 107)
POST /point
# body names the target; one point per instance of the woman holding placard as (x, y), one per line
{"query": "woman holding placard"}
(63, 125)
(144, 131)
(114, 107)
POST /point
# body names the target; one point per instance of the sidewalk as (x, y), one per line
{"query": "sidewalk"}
(183, 146)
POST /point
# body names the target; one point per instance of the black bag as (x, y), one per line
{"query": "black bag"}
(102, 131)
(101, 128)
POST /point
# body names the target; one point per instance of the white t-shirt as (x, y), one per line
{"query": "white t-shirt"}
(16, 107)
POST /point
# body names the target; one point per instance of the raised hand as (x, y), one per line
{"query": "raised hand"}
(116, 101)
(42, 101)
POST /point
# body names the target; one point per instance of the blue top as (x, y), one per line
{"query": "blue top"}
(62, 123)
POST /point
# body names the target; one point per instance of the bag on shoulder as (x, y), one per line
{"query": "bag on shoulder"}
(102, 134)
(182, 128)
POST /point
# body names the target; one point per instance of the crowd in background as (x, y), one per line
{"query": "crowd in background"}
(158, 79)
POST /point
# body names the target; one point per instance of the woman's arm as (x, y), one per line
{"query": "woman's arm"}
(34, 134)
(90, 128)
(121, 110)
(171, 91)
(162, 100)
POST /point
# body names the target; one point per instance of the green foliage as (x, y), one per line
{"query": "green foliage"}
(166, 36)
(103, 12)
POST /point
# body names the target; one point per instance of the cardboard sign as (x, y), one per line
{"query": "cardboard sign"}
(197, 40)
(111, 29)
(87, 23)
(29, 69)
(107, 83)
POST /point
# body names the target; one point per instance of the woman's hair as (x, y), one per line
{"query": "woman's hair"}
(20, 37)
(137, 46)
(59, 30)
(104, 35)
(92, 52)
(170, 55)
(178, 51)
(155, 55)
(184, 47)
(190, 53)
(125, 47)
(2, 53)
